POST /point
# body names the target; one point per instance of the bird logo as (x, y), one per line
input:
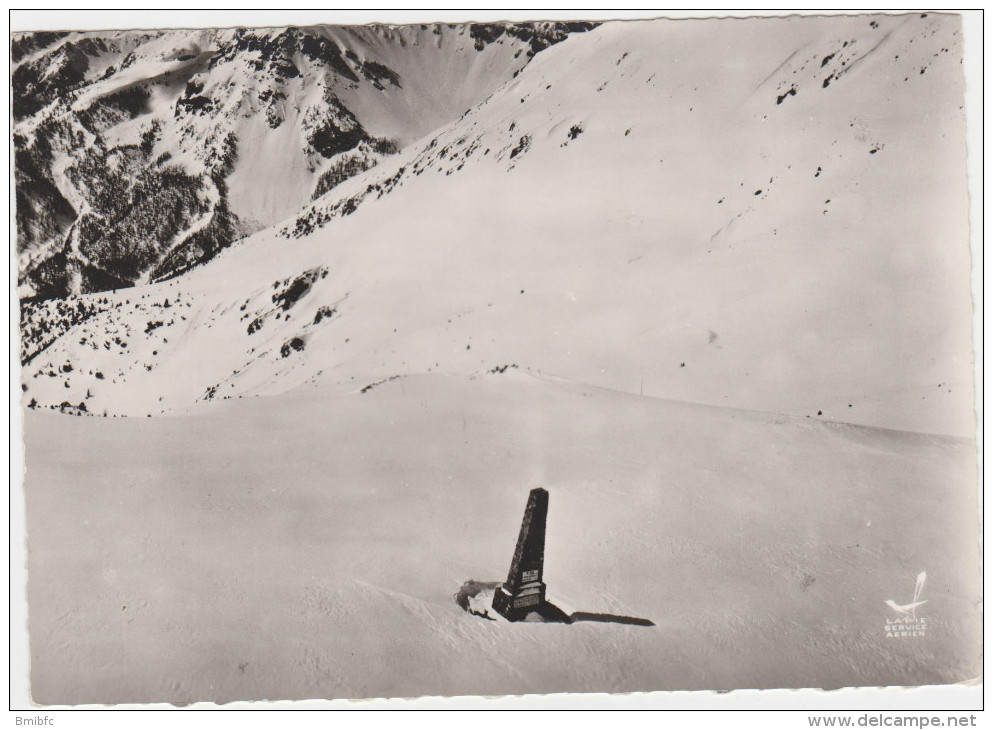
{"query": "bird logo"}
(910, 609)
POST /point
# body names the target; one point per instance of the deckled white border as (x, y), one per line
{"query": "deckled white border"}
(942, 700)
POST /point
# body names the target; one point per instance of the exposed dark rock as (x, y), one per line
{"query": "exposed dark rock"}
(782, 97)
(296, 344)
(137, 201)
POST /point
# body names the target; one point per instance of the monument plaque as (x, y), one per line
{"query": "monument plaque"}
(524, 590)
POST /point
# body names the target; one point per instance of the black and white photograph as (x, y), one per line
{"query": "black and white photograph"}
(483, 358)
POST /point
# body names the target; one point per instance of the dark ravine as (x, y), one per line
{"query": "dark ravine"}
(126, 142)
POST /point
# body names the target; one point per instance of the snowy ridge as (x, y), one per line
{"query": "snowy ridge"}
(679, 213)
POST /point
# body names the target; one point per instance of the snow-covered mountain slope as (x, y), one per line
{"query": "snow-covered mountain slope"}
(765, 213)
(310, 546)
(139, 154)
(660, 272)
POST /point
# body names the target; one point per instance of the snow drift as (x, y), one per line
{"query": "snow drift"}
(312, 545)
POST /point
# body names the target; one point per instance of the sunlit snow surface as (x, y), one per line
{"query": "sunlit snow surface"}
(644, 275)
(311, 545)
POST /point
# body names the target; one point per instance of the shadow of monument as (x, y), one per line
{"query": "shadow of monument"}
(550, 613)
(547, 612)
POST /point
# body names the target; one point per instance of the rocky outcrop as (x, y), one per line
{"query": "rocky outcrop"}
(138, 155)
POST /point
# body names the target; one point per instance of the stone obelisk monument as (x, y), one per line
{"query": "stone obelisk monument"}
(524, 590)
